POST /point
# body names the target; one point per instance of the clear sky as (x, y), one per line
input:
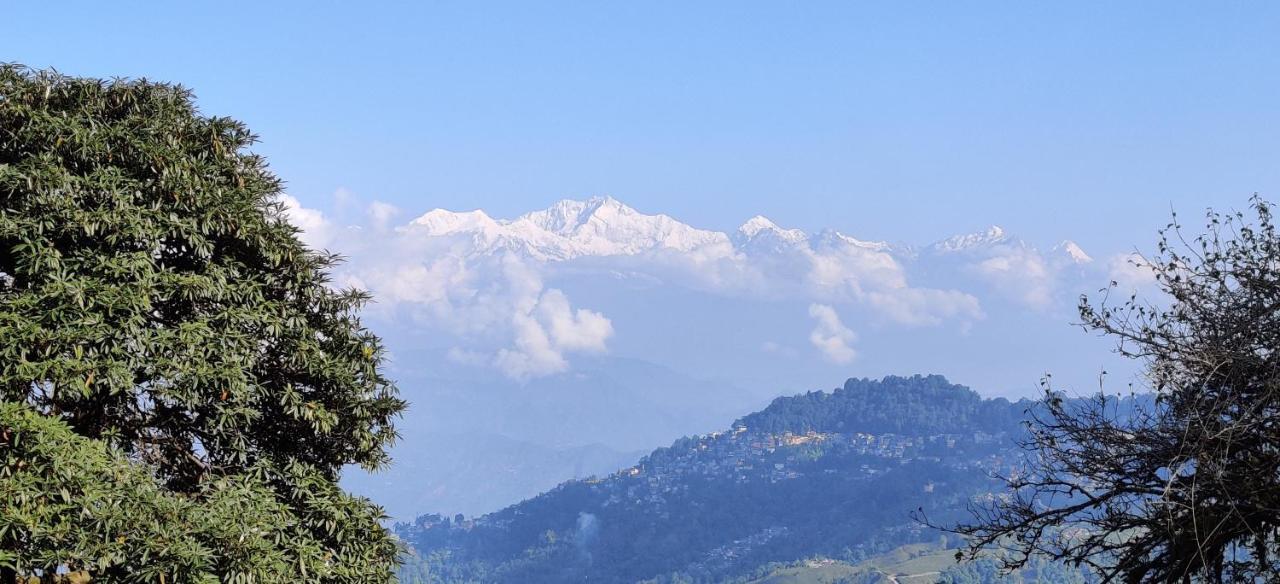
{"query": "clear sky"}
(893, 120)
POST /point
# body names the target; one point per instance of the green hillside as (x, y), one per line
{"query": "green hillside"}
(820, 475)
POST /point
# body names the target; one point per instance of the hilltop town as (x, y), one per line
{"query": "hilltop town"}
(860, 459)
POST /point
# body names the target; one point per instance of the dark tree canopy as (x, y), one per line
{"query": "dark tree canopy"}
(154, 299)
(917, 405)
(1188, 488)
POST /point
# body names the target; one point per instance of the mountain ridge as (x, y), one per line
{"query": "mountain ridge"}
(604, 226)
(830, 474)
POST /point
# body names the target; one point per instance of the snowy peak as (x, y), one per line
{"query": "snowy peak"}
(993, 235)
(443, 222)
(833, 238)
(605, 226)
(599, 226)
(756, 224)
(567, 216)
(1072, 252)
(761, 227)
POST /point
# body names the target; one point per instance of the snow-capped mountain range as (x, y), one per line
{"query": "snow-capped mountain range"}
(600, 226)
(604, 226)
(525, 295)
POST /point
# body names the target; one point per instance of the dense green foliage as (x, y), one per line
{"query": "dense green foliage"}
(156, 304)
(919, 405)
(714, 508)
(73, 501)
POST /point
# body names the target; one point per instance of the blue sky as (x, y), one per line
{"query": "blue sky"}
(887, 120)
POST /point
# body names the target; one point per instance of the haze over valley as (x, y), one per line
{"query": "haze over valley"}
(576, 336)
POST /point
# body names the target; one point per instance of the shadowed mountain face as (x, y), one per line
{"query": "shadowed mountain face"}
(475, 473)
(833, 474)
(475, 446)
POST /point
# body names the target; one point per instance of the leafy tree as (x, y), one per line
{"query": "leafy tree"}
(1188, 488)
(172, 357)
(896, 405)
(77, 503)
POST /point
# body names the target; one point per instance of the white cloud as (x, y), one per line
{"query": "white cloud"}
(1020, 273)
(854, 273)
(830, 336)
(496, 308)
(1131, 272)
(427, 283)
(480, 282)
(317, 231)
(533, 354)
(573, 330)
(380, 214)
(546, 327)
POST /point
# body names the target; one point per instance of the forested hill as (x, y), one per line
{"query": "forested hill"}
(824, 474)
(917, 406)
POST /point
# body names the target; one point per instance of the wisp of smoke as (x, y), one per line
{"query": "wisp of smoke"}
(588, 530)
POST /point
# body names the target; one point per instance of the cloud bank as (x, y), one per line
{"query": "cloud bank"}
(481, 282)
(830, 336)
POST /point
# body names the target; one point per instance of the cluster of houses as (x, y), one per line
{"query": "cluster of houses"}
(743, 456)
(728, 553)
